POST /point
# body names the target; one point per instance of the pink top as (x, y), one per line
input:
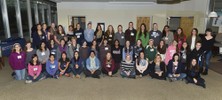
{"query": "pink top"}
(171, 50)
(34, 70)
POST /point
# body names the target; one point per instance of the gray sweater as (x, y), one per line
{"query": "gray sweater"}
(29, 56)
(120, 37)
(43, 56)
(169, 39)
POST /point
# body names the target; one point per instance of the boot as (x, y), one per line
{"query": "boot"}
(201, 69)
(205, 72)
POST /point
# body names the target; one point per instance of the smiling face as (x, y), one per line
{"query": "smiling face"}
(130, 25)
(161, 43)
(76, 54)
(28, 45)
(128, 58)
(194, 32)
(194, 62)
(39, 27)
(120, 28)
(62, 42)
(174, 43)
(155, 26)
(70, 28)
(127, 43)
(143, 28)
(63, 56)
(89, 26)
(141, 55)
(53, 25)
(108, 56)
(158, 58)
(35, 59)
(43, 45)
(179, 31)
(92, 54)
(139, 42)
(116, 43)
(17, 48)
(94, 43)
(151, 43)
(51, 58)
(176, 57)
(166, 29)
(198, 46)
(44, 26)
(184, 45)
(78, 26)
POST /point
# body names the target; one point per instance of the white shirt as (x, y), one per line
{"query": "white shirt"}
(193, 42)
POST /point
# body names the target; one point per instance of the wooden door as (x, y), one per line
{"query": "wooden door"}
(187, 24)
(145, 20)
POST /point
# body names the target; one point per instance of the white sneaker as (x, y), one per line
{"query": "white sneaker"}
(28, 81)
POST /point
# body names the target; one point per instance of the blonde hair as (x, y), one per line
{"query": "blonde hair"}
(16, 44)
(156, 58)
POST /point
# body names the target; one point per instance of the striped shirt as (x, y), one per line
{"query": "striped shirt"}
(127, 66)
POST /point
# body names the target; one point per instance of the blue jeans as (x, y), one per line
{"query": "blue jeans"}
(207, 59)
(34, 80)
(20, 74)
(132, 74)
(77, 71)
(182, 76)
(52, 76)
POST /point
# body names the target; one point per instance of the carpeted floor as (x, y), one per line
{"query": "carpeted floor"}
(217, 67)
(106, 88)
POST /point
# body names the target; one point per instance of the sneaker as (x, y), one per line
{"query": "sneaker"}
(42, 78)
(28, 81)
(56, 77)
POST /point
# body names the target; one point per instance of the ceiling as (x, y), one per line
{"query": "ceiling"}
(157, 1)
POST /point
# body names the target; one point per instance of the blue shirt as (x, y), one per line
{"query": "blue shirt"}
(89, 35)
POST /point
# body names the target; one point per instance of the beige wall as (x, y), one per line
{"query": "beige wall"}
(115, 13)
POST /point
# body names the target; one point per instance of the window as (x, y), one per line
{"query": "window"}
(12, 18)
(2, 32)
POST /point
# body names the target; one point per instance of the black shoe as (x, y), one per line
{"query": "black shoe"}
(205, 73)
(204, 86)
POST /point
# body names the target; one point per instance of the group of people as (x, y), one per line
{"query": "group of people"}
(135, 53)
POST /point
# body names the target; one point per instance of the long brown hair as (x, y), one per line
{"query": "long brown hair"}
(108, 32)
(181, 36)
(196, 67)
(145, 30)
(110, 60)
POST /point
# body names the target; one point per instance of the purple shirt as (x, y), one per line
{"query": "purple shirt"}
(17, 60)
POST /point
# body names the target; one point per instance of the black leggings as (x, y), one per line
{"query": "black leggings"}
(94, 75)
(154, 75)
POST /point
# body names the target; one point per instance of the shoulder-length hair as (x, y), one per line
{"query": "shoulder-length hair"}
(194, 29)
(32, 62)
(176, 54)
(16, 44)
(27, 42)
(157, 55)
